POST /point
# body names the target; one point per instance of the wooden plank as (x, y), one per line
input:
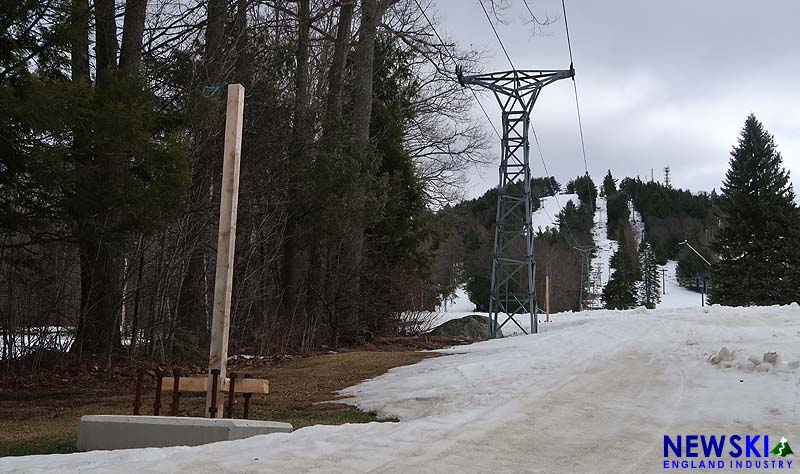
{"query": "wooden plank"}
(200, 384)
(248, 385)
(221, 321)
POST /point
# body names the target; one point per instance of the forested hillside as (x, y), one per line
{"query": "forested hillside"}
(465, 256)
(672, 216)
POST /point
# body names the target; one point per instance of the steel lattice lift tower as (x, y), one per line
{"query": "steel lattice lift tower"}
(513, 267)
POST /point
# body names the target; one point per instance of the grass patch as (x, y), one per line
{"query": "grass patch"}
(316, 416)
(43, 419)
(41, 445)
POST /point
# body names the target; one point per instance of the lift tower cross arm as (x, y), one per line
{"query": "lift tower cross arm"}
(513, 266)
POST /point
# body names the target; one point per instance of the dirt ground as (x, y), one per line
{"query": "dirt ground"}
(41, 416)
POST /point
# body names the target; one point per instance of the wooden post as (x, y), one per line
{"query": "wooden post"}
(176, 391)
(231, 394)
(247, 396)
(220, 324)
(137, 401)
(157, 402)
(547, 295)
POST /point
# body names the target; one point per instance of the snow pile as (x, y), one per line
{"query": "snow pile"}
(595, 393)
(726, 359)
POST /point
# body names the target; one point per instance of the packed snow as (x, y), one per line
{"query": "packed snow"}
(595, 393)
(676, 296)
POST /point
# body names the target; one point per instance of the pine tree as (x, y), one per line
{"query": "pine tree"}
(620, 292)
(649, 286)
(609, 185)
(758, 244)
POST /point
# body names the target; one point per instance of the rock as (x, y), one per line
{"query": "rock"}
(771, 357)
(755, 360)
(473, 326)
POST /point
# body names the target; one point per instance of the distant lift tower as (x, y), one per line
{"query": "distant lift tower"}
(512, 290)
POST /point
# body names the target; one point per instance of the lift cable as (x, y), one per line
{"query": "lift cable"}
(577, 106)
(536, 139)
(554, 193)
(455, 63)
(483, 7)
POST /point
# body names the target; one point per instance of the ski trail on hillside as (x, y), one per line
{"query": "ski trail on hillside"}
(605, 246)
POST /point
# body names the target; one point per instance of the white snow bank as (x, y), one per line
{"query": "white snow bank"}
(595, 393)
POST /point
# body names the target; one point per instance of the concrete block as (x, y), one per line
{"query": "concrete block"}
(105, 432)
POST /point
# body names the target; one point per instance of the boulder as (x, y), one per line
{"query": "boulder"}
(473, 326)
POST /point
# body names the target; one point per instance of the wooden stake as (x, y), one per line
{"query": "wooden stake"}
(176, 393)
(220, 325)
(547, 295)
(157, 402)
(137, 401)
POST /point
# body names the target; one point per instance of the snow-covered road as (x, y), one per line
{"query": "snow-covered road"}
(596, 393)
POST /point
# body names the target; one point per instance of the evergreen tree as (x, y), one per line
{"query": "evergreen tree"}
(649, 287)
(620, 292)
(585, 188)
(758, 244)
(609, 185)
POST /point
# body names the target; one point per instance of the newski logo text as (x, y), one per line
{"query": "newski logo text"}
(725, 452)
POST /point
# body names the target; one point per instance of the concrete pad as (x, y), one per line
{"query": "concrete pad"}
(104, 432)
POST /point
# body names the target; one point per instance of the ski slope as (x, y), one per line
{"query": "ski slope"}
(596, 393)
(673, 295)
(546, 216)
(677, 296)
(605, 247)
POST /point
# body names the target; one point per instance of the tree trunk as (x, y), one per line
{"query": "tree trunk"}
(98, 330)
(101, 241)
(80, 43)
(191, 311)
(130, 57)
(105, 40)
(363, 62)
(291, 271)
(333, 110)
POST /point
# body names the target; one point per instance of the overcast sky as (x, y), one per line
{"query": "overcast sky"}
(661, 83)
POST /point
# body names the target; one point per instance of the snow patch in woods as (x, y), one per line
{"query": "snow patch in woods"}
(595, 393)
(546, 216)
